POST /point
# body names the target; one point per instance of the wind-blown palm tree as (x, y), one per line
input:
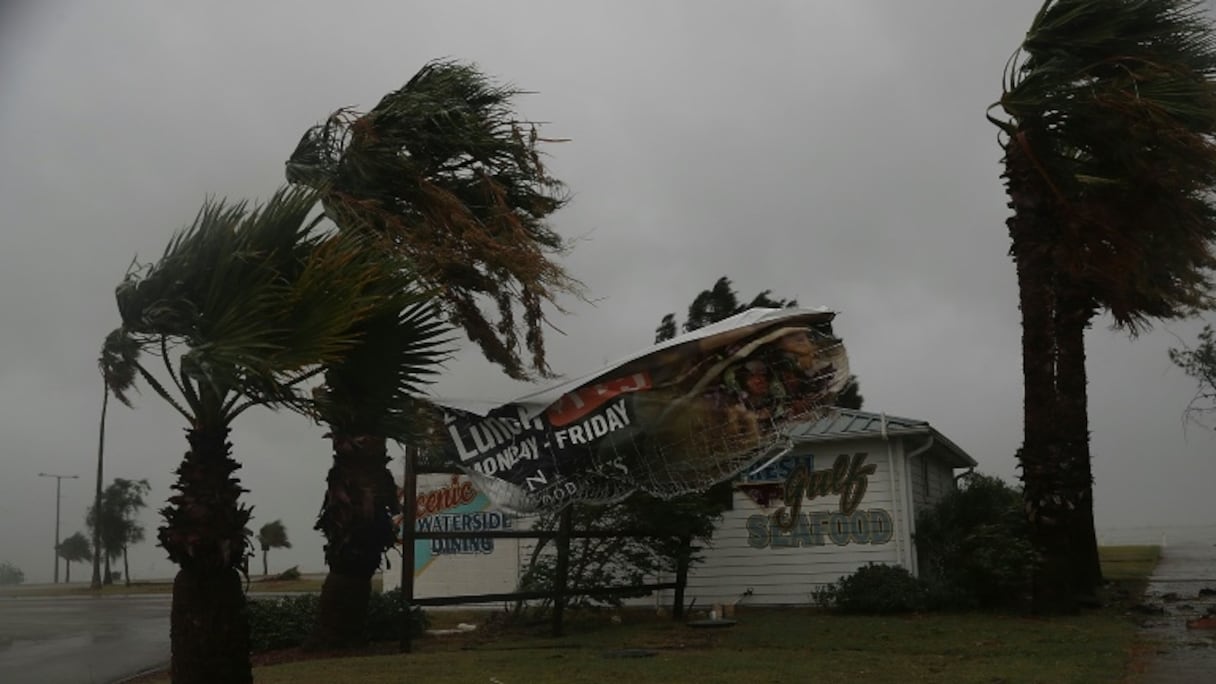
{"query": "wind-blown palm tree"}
(244, 307)
(1109, 165)
(445, 170)
(368, 397)
(73, 550)
(114, 373)
(272, 535)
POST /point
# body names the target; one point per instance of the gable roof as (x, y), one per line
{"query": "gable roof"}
(844, 424)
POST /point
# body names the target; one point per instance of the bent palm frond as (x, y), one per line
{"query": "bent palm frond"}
(249, 303)
(447, 171)
(1113, 104)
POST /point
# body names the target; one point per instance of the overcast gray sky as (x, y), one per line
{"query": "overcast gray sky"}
(833, 152)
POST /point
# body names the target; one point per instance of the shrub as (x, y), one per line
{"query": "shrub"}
(287, 621)
(875, 589)
(281, 622)
(974, 546)
(384, 617)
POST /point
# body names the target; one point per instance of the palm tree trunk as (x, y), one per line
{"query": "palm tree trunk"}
(265, 563)
(101, 449)
(356, 519)
(109, 577)
(126, 570)
(1073, 317)
(204, 533)
(1040, 455)
(67, 566)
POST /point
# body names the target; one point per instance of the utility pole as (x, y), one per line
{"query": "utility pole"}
(58, 484)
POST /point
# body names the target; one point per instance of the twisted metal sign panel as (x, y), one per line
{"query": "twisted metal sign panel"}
(675, 418)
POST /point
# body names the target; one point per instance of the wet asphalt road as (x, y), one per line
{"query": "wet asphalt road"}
(1182, 655)
(81, 640)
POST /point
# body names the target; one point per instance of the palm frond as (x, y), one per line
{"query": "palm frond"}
(118, 359)
(444, 167)
(375, 389)
(253, 301)
(1114, 105)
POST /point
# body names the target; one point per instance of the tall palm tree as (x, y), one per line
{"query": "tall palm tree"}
(453, 179)
(113, 374)
(272, 535)
(244, 307)
(1109, 165)
(370, 396)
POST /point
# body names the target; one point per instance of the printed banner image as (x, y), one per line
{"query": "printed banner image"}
(450, 503)
(673, 419)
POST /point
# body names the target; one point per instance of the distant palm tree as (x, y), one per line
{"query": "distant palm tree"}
(1110, 166)
(273, 535)
(446, 171)
(242, 309)
(73, 550)
(113, 374)
(119, 528)
(715, 304)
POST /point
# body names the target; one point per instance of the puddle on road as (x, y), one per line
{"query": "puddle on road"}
(1182, 654)
(1182, 603)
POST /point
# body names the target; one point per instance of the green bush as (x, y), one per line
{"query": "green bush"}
(974, 546)
(281, 622)
(875, 589)
(287, 621)
(384, 617)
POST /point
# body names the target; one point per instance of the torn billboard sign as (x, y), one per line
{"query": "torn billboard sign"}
(675, 418)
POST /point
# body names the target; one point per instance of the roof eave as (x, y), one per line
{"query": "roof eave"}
(961, 459)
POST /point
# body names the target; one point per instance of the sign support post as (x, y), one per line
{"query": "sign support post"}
(409, 510)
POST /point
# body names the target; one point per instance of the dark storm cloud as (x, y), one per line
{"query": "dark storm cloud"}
(836, 153)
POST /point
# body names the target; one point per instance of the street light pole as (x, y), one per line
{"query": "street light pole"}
(58, 484)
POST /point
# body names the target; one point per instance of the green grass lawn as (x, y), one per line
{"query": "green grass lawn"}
(1128, 563)
(773, 645)
(768, 645)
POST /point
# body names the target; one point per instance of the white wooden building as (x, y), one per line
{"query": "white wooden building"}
(868, 476)
(898, 467)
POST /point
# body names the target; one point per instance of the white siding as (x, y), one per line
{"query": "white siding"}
(931, 479)
(787, 574)
(918, 467)
(941, 480)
